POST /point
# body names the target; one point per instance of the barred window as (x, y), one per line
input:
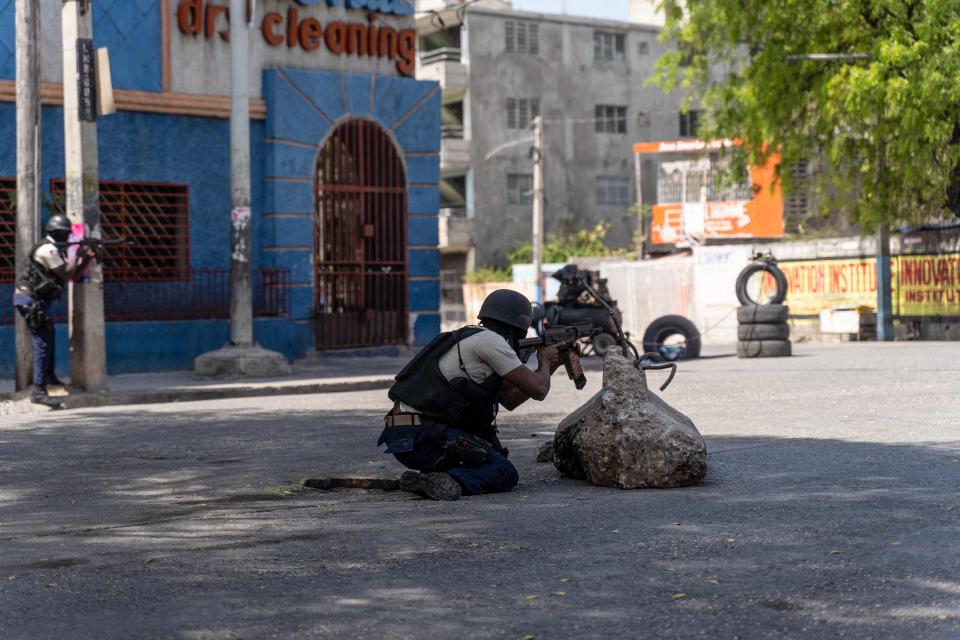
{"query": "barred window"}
(522, 37)
(797, 206)
(613, 191)
(8, 228)
(690, 124)
(520, 188)
(608, 45)
(521, 112)
(610, 119)
(643, 48)
(155, 218)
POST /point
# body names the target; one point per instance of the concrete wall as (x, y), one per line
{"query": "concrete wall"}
(303, 105)
(569, 83)
(134, 347)
(701, 287)
(174, 149)
(130, 29)
(199, 65)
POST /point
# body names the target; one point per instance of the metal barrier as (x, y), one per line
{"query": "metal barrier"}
(204, 295)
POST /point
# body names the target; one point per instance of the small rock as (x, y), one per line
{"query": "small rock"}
(545, 452)
(627, 437)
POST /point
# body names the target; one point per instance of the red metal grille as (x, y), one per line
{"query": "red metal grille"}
(8, 228)
(360, 240)
(155, 217)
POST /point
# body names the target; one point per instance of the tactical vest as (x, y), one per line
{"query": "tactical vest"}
(460, 402)
(38, 281)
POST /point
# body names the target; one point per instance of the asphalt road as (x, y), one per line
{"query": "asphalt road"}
(831, 510)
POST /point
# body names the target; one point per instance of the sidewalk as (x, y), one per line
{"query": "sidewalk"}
(311, 375)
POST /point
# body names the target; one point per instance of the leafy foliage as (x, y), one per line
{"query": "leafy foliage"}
(488, 274)
(883, 133)
(560, 248)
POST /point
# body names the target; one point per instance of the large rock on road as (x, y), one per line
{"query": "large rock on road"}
(628, 437)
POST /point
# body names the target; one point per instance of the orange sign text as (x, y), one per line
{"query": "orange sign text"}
(292, 30)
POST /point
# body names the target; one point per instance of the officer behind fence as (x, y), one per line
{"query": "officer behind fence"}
(48, 270)
(443, 422)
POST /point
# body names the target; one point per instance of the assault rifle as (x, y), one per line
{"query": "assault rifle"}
(566, 336)
(97, 244)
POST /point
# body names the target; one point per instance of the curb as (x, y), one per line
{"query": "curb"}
(20, 404)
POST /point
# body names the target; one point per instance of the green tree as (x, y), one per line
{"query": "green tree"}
(562, 247)
(883, 132)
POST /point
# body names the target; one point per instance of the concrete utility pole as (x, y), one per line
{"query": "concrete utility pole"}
(241, 296)
(538, 205)
(88, 363)
(241, 356)
(28, 161)
(638, 178)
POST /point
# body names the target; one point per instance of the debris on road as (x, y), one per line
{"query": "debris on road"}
(629, 438)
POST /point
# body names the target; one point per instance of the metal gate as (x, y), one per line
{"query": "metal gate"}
(359, 244)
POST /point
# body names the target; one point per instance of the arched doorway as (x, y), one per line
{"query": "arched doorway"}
(359, 240)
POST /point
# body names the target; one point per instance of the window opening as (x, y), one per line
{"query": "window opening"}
(610, 119)
(154, 216)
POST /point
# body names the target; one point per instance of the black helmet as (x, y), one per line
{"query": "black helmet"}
(58, 225)
(509, 307)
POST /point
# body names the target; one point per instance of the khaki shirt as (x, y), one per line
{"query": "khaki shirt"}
(49, 255)
(484, 354)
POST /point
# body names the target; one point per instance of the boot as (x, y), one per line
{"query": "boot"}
(436, 486)
(39, 396)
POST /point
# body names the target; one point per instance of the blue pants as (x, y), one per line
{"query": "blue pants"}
(415, 450)
(44, 345)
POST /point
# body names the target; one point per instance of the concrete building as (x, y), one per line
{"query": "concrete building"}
(498, 69)
(345, 168)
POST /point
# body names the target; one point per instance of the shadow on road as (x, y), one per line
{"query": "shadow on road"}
(157, 523)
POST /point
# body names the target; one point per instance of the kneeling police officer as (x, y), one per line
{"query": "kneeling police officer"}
(37, 288)
(443, 422)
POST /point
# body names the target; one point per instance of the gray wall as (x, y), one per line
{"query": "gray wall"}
(569, 83)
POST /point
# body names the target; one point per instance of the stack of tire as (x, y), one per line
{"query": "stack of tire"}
(762, 330)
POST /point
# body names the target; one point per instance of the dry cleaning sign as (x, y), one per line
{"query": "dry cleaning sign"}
(299, 27)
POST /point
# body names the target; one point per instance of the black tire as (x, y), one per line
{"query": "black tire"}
(764, 349)
(772, 331)
(758, 267)
(602, 342)
(667, 326)
(763, 314)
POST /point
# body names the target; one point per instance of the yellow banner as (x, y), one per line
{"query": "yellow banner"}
(927, 285)
(815, 285)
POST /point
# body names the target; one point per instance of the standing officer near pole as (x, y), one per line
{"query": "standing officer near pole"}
(443, 422)
(37, 288)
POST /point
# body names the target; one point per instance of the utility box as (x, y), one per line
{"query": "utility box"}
(854, 323)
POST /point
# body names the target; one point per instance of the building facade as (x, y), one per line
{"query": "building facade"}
(586, 78)
(345, 170)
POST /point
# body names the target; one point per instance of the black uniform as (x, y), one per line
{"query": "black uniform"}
(35, 292)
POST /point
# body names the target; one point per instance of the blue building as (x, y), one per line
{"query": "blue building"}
(345, 167)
